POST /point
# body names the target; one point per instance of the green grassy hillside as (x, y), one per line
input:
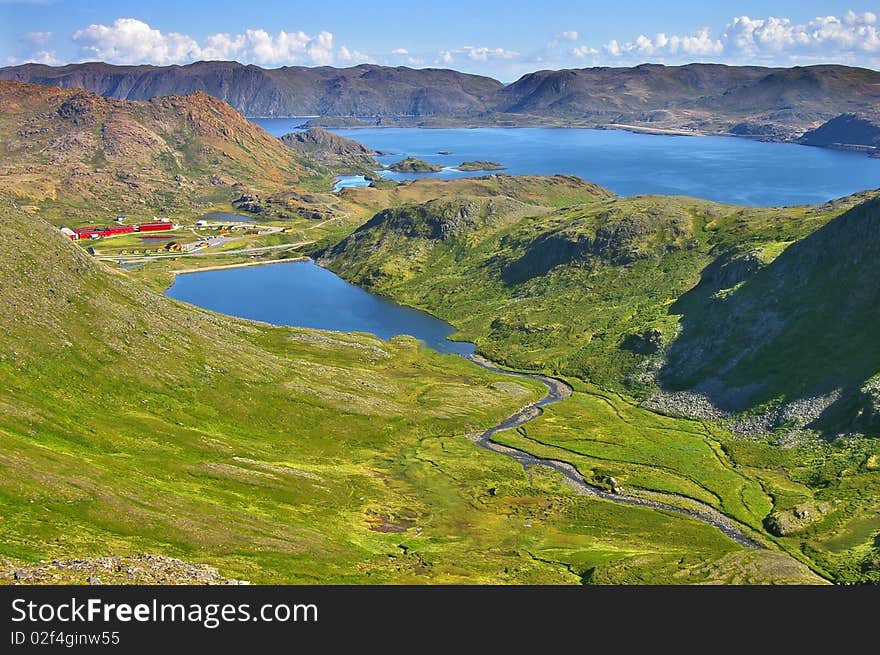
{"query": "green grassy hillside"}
(131, 423)
(614, 289)
(761, 317)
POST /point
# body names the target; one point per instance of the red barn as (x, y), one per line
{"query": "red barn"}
(102, 232)
(155, 227)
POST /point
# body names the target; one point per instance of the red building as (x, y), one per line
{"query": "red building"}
(154, 227)
(102, 232)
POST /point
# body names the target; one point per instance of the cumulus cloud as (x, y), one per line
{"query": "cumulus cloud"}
(478, 54)
(131, 41)
(824, 36)
(48, 57)
(584, 51)
(698, 44)
(771, 39)
(483, 53)
(849, 37)
(350, 55)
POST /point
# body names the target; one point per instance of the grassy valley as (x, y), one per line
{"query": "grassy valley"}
(135, 424)
(675, 304)
(285, 455)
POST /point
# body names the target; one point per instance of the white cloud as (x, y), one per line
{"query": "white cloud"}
(445, 57)
(131, 41)
(762, 40)
(698, 44)
(584, 51)
(400, 51)
(826, 37)
(571, 35)
(47, 57)
(483, 53)
(350, 55)
(612, 48)
(36, 38)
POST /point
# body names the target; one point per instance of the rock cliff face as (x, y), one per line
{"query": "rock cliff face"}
(332, 150)
(770, 103)
(364, 90)
(766, 103)
(847, 130)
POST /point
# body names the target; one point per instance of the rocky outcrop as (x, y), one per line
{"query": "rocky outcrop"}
(413, 165)
(797, 519)
(858, 131)
(332, 150)
(142, 569)
(869, 406)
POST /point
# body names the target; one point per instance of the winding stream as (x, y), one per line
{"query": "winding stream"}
(325, 301)
(557, 390)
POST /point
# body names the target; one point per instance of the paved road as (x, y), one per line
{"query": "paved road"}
(201, 253)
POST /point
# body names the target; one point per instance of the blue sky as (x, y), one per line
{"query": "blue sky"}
(501, 39)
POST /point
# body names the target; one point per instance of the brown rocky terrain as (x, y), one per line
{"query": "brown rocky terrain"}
(286, 91)
(849, 131)
(141, 569)
(332, 150)
(118, 155)
(753, 101)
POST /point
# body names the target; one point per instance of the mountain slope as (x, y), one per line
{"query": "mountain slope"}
(758, 322)
(748, 100)
(770, 103)
(603, 290)
(847, 130)
(796, 329)
(133, 423)
(114, 155)
(288, 91)
(343, 155)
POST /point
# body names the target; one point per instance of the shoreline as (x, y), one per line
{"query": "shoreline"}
(220, 267)
(870, 151)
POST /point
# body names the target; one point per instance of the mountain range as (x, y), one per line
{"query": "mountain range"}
(760, 102)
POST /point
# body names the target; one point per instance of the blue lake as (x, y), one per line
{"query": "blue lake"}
(303, 294)
(281, 126)
(349, 181)
(725, 169)
(226, 216)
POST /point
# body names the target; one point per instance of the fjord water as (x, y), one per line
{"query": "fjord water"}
(724, 169)
(302, 294)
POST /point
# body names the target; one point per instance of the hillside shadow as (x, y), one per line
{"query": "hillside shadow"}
(803, 326)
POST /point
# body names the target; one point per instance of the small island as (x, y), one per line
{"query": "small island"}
(480, 166)
(413, 165)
